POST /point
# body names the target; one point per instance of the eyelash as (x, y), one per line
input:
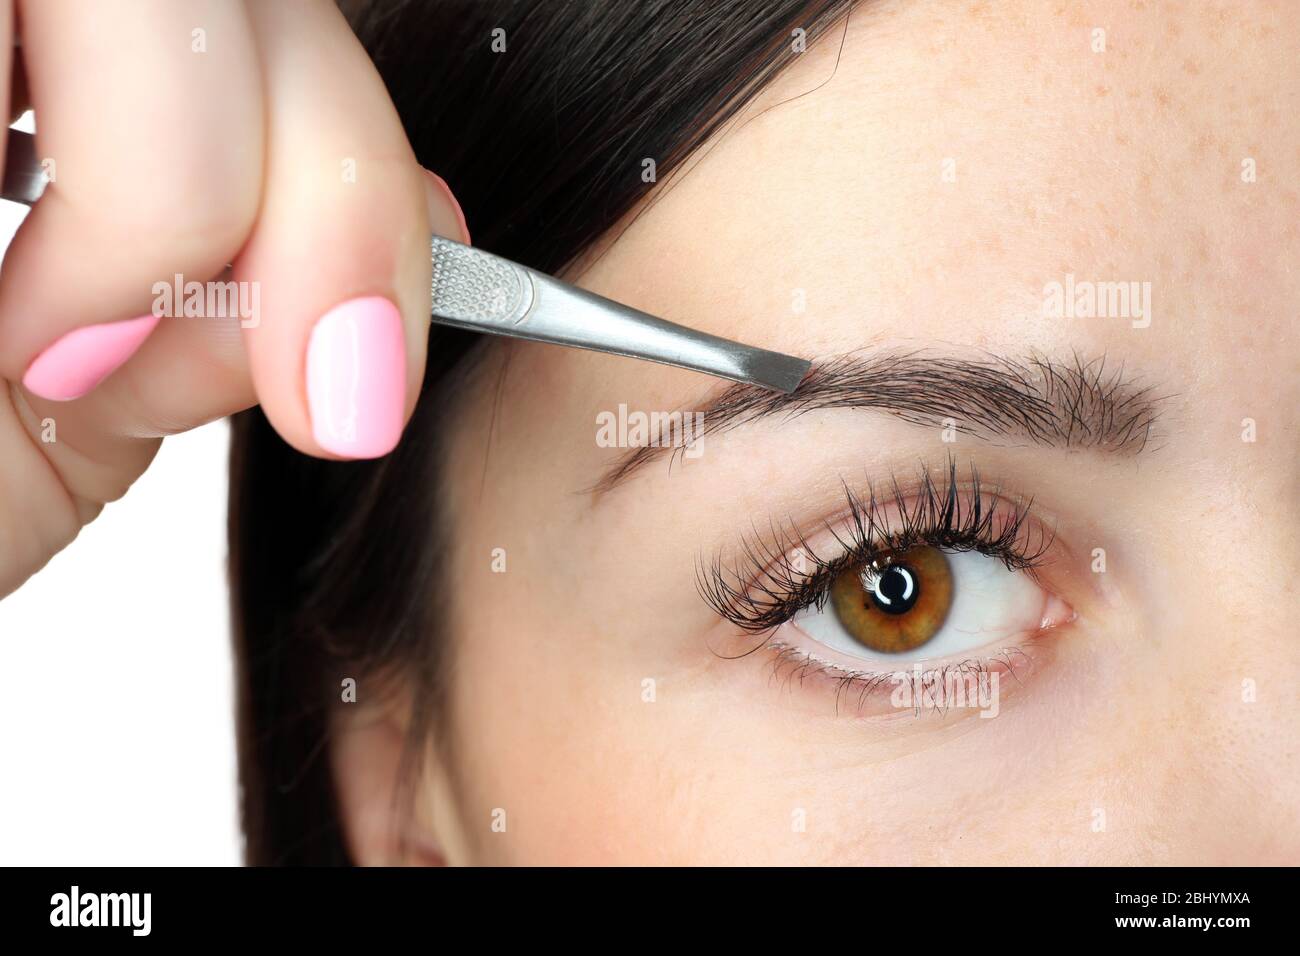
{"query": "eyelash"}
(769, 587)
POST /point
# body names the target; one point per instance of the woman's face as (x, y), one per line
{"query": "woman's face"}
(931, 218)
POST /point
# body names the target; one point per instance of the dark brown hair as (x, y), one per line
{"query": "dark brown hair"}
(334, 566)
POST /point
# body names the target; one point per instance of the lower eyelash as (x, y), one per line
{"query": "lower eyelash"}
(859, 688)
(768, 588)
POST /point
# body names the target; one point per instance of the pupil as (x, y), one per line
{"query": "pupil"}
(895, 590)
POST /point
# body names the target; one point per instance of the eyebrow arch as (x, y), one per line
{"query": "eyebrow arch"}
(1070, 403)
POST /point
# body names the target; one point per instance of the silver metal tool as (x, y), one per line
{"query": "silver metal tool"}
(477, 290)
(482, 292)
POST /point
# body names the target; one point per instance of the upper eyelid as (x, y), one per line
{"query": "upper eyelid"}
(988, 516)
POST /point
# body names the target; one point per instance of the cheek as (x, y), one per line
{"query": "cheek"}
(594, 757)
(537, 720)
(587, 763)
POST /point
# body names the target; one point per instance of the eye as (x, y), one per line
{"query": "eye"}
(925, 603)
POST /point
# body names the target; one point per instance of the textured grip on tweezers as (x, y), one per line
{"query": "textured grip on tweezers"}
(474, 288)
(477, 290)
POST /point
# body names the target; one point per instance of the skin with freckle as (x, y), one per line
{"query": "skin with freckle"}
(962, 158)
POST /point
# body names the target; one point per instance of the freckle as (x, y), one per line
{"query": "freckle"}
(1191, 67)
(1162, 97)
(1102, 90)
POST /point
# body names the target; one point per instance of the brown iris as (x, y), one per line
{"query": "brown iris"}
(897, 602)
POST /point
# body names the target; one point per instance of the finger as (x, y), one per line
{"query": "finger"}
(341, 249)
(148, 113)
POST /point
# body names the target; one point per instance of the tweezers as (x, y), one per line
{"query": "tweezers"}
(482, 292)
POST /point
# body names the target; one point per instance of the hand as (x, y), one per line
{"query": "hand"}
(183, 138)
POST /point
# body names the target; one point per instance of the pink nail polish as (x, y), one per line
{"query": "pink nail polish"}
(84, 357)
(356, 378)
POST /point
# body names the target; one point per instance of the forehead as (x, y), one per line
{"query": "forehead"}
(1102, 180)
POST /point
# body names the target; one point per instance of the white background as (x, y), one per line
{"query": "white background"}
(116, 708)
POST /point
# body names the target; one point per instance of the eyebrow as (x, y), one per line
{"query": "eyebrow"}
(1070, 403)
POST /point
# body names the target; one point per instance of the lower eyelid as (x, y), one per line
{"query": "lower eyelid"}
(970, 685)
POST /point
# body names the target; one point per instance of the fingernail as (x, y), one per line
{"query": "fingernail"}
(443, 188)
(84, 357)
(356, 378)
